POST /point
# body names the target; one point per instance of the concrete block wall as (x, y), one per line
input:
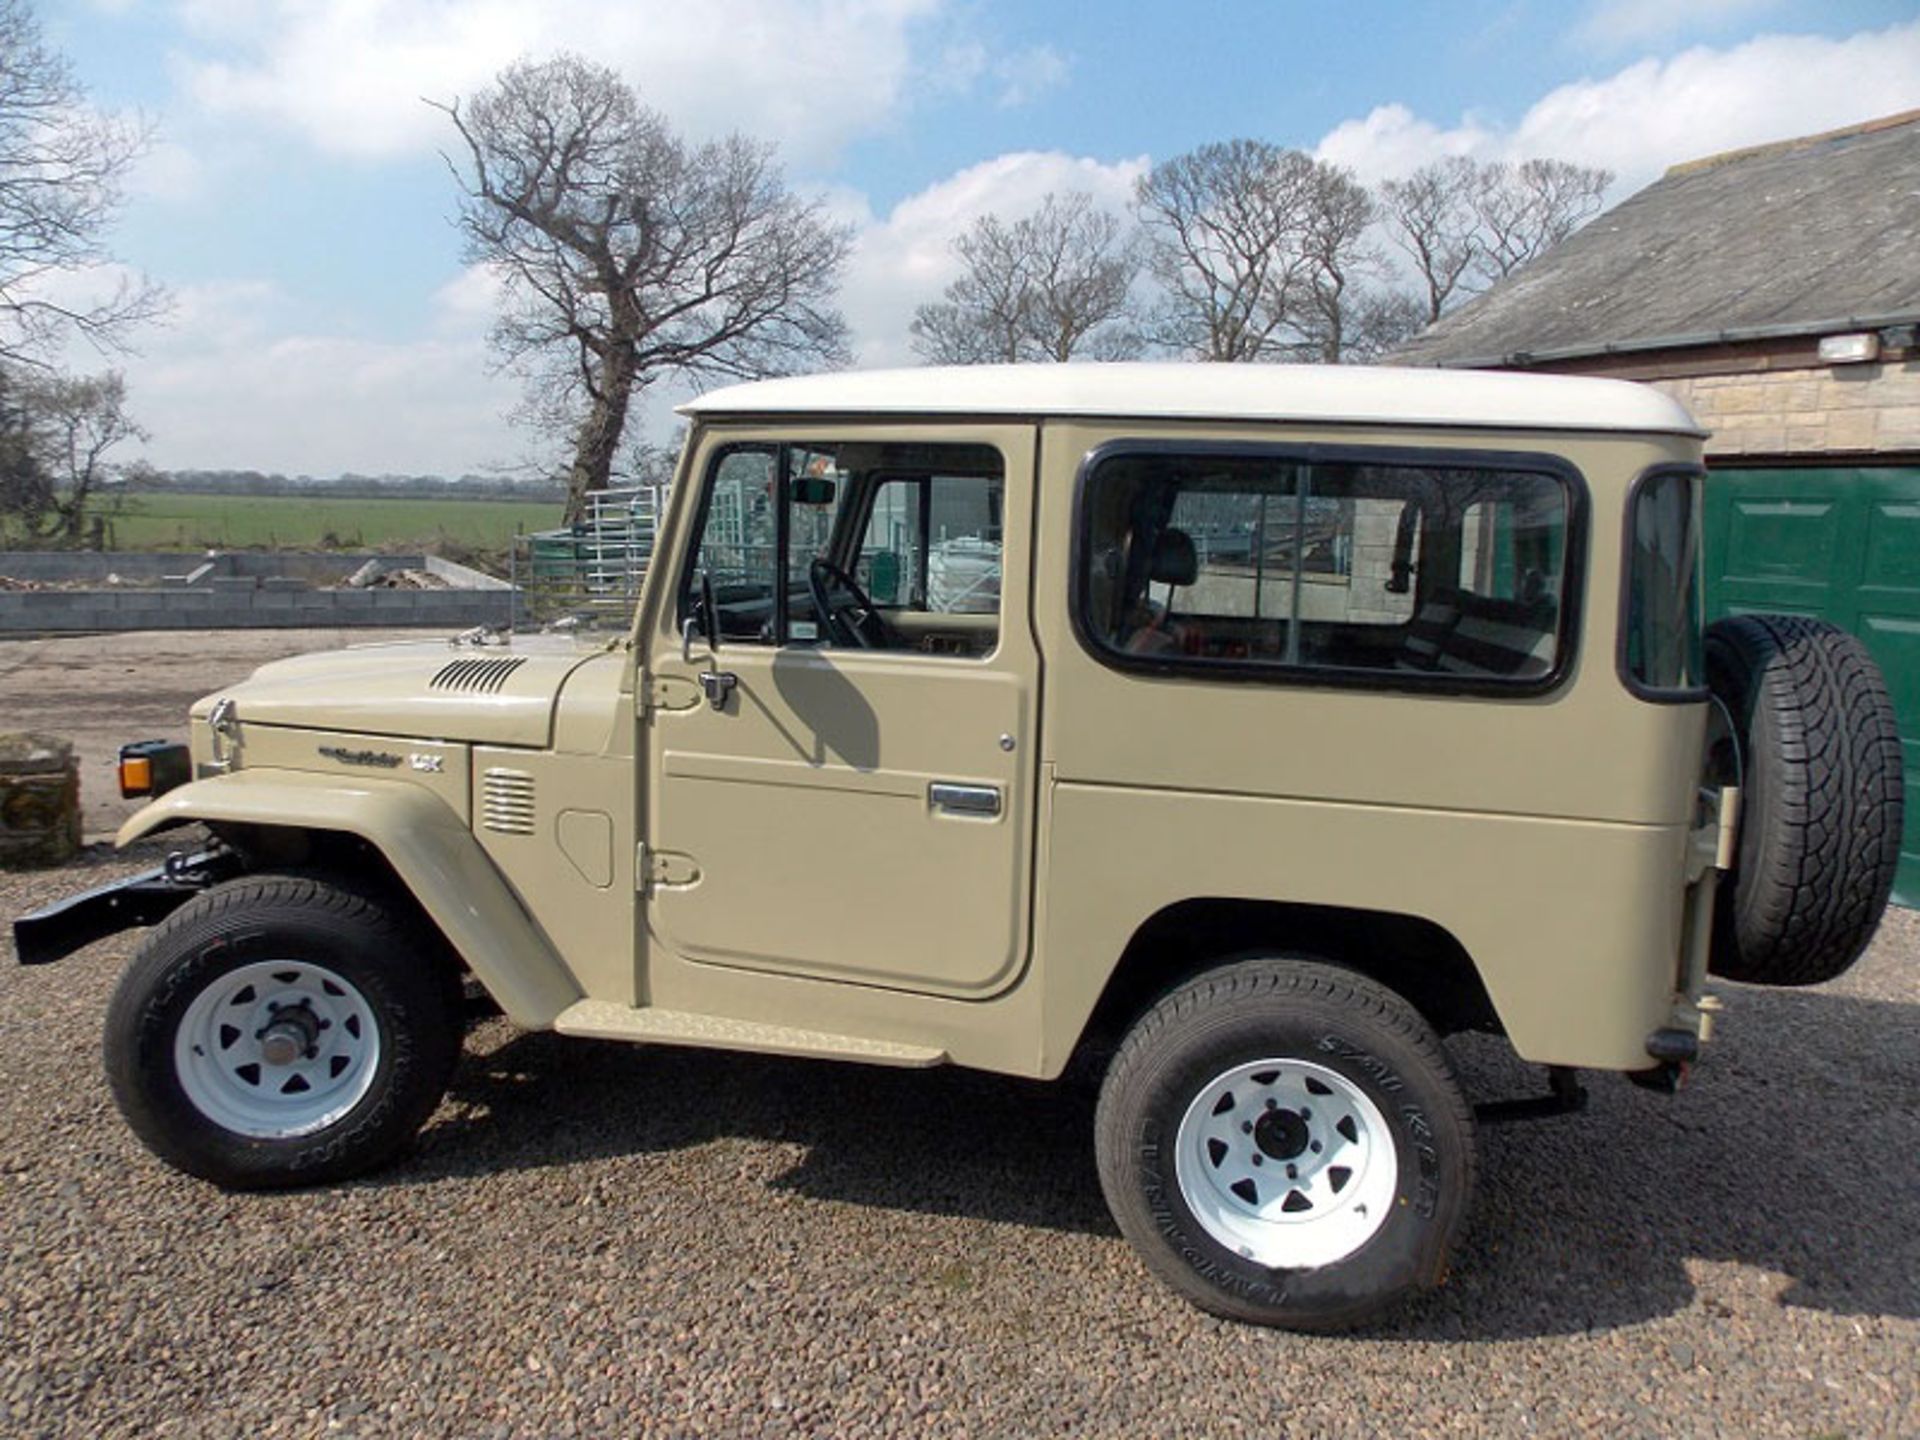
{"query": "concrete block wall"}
(1834, 410)
(150, 566)
(80, 611)
(241, 590)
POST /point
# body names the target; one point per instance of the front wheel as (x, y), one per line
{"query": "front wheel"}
(282, 1030)
(1285, 1143)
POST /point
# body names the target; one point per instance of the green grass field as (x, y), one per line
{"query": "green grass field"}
(297, 522)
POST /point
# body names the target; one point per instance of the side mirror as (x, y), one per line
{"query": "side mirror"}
(811, 490)
(704, 621)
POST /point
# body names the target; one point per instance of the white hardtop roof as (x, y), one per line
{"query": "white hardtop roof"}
(1337, 394)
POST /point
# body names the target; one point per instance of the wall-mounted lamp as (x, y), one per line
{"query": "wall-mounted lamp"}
(1850, 349)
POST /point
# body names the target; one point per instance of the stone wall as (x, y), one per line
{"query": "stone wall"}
(39, 800)
(1852, 410)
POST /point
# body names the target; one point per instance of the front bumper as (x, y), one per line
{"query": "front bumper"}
(55, 931)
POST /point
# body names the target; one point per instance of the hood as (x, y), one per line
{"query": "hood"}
(428, 689)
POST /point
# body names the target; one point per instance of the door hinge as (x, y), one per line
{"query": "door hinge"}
(662, 867)
(670, 692)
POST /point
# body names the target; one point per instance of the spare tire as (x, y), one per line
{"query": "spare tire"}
(1819, 764)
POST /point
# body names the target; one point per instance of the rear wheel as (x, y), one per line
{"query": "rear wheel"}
(1284, 1143)
(282, 1030)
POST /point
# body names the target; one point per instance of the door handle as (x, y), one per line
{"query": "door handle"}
(718, 685)
(964, 799)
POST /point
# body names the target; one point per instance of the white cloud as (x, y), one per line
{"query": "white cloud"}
(470, 300)
(350, 75)
(1657, 113)
(1390, 141)
(1620, 23)
(230, 383)
(1029, 74)
(906, 258)
(168, 171)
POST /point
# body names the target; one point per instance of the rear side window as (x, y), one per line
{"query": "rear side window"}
(1345, 569)
(1661, 623)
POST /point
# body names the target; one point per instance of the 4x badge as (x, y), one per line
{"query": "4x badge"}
(385, 759)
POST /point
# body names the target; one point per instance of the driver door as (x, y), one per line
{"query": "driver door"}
(846, 801)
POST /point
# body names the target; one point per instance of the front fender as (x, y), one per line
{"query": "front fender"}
(432, 852)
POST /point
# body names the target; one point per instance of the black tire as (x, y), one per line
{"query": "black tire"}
(1314, 1019)
(403, 993)
(1821, 799)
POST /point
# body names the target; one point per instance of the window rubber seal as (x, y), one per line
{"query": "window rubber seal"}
(1430, 683)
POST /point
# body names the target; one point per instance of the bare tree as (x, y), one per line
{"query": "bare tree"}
(1055, 285)
(1430, 215)
(1339, 260)
(62, 165)
(629, 254)
(1223, 226)
(1524, 210)
(55, 434)
(1380, 319)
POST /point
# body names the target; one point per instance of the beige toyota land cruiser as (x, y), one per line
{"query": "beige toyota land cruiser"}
(1230, 733)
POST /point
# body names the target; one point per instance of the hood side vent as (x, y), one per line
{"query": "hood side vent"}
(506, 801)
(481, 677)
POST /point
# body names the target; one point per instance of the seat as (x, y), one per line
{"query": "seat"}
(1175, 562)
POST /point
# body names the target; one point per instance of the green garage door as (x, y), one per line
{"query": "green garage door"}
(1841, 544)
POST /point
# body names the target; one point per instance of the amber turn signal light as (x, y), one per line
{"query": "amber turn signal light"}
(136, 776)
(153, 767)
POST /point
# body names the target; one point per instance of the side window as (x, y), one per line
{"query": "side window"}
(1661, 628)
(815, 489)
(1510, 547)
(889, 546)
(1267, 561)
(932, 544)
(738, 550)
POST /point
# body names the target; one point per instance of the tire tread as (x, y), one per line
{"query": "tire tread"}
(1815, 871)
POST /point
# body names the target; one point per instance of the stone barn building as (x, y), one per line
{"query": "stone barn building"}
(1776, 292)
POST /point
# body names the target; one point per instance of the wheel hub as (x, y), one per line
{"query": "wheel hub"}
(1281, 1134)
(291, 1034)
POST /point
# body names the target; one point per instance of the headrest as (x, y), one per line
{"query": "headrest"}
(1174, 560)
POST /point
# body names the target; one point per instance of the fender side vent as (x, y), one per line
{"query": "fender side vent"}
(506, 801)
(479, 676)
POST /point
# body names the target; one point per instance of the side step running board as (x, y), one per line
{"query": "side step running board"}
(604, 1020)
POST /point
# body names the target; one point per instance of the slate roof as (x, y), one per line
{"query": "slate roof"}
(1807, 236)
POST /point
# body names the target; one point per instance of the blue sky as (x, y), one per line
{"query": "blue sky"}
(295, 203)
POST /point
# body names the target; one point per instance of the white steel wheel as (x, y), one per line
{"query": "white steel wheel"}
(277, 1049)
(1283, 1142)
(1286, 1163)
(283, 1030)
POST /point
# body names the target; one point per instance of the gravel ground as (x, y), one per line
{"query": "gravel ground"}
(100, 691)
(594, 1239)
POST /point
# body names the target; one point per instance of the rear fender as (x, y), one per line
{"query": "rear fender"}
(429, 848)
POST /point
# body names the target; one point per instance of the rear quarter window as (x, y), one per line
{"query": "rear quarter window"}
(1661, 623)
(1328, 567)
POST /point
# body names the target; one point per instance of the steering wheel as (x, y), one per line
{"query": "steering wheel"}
(845, 609)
